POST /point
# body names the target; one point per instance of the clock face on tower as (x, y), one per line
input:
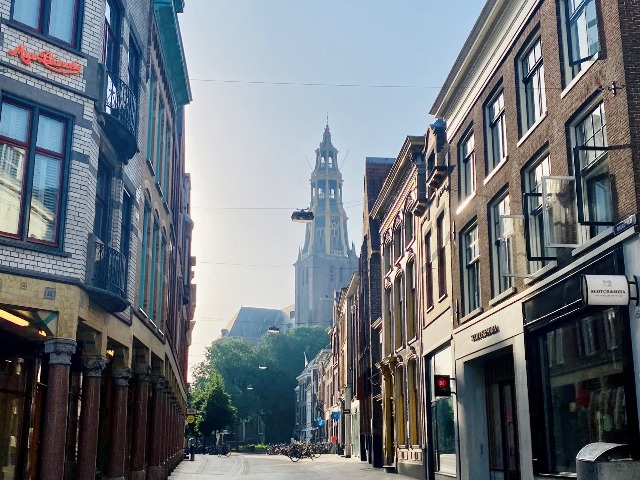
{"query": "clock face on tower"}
(334, 222)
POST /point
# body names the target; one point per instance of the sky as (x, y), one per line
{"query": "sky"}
(265, 76)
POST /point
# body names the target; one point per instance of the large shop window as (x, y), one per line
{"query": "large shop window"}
(582, 395)
(442, 423)
(56, 18)
(33, 146)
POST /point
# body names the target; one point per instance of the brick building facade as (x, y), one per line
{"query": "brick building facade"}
(96, 294)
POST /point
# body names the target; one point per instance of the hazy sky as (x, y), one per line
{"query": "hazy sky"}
(248, 137)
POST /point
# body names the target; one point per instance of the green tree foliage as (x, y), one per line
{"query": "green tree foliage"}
(213, 403)
(272, 396)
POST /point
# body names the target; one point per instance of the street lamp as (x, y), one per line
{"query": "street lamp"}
(249, 387)
(273, 329)
(262, 367)
(302, 216)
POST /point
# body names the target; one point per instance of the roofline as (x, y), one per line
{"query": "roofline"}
(393, 177)
(468, 46)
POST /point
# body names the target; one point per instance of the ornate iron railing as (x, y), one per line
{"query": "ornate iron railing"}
(110, 270)
(121, 102)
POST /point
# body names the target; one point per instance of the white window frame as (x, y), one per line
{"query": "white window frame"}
(501, 244)
(496, 130)
(471, 264)
(532, 84)
(573, 66)
(467, 156)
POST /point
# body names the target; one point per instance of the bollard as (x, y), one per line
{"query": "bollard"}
(192, 452)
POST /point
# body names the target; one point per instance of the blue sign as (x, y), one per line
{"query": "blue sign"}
(335, 415)
(320, 422)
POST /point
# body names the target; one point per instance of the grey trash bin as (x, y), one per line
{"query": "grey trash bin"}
(608, 461)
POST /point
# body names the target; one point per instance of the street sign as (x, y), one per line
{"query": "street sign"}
(347, 411)
(191, 418)
(191, 411)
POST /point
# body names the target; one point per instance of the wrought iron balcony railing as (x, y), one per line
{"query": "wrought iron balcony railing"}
(109, 270)
(121, 102)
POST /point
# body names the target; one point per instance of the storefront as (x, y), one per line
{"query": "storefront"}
(21, 393)
(581, 373)
(492, 399)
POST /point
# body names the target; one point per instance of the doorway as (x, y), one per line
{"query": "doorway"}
(502, 419)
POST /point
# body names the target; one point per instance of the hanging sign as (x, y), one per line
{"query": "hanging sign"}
(191, 419)
(605, 290)
(47, 59)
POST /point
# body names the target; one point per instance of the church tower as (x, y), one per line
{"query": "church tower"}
(326, 262)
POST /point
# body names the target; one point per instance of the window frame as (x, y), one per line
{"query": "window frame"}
(44, 22)
(594, 166)
(31, 151)
(429, 270)
(116, 32)
(471, 266)
(496, 128)
(530, 193)
(441, 256)
(467, 162)
(528, 75)
(501, 205)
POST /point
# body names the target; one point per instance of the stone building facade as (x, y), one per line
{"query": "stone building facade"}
(96, 293)
(326, 261)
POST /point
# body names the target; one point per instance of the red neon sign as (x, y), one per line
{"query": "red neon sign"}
(47, 59)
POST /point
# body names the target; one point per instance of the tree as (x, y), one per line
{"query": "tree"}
(284, 354)
(213, 403)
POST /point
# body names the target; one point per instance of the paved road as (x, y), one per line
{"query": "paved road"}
(278, 467)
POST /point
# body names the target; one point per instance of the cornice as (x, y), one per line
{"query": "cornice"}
(499, 23)
(412, 144)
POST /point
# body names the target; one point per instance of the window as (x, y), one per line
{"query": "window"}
(399, 311)
(125, 225)
(144, 253)
(580, 394)
(592, 168)
(471, 273)
(502, 245)
(537, 253)
(442, 264)
(580, 34)
(533, 89)
(102, 216)
(151, 131)
(412, 311)
(497, 131)
(55, 18)
(467, 166)
(160, 282)
(408, 228)
(397, 244)
(33, 144)
(429, 270)
(111, 54)
(133, 70)
(442, 421)
(153, 268)
(386, 258)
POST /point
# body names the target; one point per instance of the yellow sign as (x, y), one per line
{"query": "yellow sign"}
(191, 418)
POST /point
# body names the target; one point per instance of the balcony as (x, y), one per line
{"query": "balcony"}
(120, 116)
(106, 276)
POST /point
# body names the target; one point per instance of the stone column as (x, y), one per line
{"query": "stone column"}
(56, 407)
(155, 463)
(89, 416)
(165, 423)
(117, 435)
(140, 407)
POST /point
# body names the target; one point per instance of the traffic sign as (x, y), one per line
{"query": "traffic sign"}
(191, 418)
(191, 411)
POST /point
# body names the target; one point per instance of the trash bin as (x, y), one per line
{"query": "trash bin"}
(608, 461)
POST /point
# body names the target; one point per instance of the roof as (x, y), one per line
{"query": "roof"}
(250, 323)
(375, 172)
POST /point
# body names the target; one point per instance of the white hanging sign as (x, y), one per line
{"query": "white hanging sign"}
(605, 290)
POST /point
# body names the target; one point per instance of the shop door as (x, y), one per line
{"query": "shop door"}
(502, 419)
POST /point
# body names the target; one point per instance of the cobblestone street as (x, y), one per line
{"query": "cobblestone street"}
(278, 467)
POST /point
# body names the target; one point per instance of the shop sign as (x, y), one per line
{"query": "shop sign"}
(191, 419)
(191, 411)
(47, 59)
(346, 411)
(605, 290)
(487, 332)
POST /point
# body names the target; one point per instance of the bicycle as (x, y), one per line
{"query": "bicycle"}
(223, 450)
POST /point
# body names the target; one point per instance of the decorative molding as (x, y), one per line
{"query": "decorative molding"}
(60, 350)
(94, 366)
(121, 376)
(142, 373)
